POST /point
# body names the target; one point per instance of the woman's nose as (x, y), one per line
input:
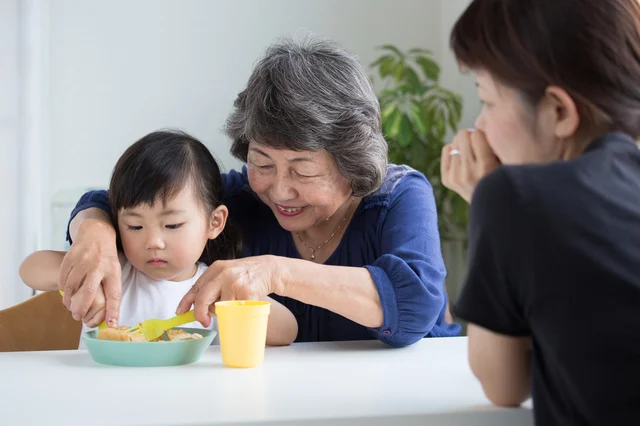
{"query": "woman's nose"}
(283, 189)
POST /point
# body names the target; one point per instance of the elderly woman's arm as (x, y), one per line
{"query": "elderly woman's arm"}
(399, 297)
(348, 291)
(92, 261)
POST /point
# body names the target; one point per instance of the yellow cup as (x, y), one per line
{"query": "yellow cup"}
(242, 325)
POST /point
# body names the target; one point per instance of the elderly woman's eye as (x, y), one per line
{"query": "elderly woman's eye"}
(304, 176)
(263, 167)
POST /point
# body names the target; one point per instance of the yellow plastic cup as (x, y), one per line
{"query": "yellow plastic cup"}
(242, 326)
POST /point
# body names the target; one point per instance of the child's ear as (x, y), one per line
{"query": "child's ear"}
(217, 221)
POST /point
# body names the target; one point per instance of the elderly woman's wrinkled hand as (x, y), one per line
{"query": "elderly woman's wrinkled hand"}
(91, 266)
(465, 161)
(239, 279)
(97, 310)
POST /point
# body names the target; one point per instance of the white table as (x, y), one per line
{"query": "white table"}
(342, 383)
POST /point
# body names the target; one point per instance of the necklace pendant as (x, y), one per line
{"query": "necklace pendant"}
(313, 256)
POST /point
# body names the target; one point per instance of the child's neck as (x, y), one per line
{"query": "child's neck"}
(186, 275)
(182, 276)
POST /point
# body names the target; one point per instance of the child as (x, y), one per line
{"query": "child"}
(165, 192)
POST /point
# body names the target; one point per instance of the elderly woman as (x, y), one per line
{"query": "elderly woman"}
(553, 288)
(345, 241)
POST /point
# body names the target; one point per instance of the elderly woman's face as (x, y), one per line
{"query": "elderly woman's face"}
(303, 188)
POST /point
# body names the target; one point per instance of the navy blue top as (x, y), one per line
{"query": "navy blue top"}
(393, 234)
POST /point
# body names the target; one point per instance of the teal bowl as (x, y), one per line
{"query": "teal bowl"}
(148, 354)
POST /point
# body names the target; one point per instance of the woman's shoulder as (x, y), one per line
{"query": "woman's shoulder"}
(234, 181)
(588, 171)
(244, 205)
(399, 181)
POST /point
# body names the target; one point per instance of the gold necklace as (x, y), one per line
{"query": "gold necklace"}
(313, 250)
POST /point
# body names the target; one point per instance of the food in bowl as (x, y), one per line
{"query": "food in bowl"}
(122, 334)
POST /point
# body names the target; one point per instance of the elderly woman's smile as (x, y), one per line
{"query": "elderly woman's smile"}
(289, 211)
(303, 188)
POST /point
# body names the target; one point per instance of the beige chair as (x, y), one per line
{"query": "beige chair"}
(41, 323)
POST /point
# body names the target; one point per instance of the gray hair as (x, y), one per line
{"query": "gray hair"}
(310, 96)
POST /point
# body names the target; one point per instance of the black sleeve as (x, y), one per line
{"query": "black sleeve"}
(496, 285)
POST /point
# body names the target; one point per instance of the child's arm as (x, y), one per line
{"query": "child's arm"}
(41, 270)
(283, 327)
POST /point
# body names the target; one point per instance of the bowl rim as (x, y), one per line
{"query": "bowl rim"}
(205, 332)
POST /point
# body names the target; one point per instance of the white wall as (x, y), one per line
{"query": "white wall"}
(120, 69)
(110, 72)
(11, 243)
(464, 84)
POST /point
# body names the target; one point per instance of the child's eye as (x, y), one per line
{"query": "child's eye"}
(134, 228)
(174, 226)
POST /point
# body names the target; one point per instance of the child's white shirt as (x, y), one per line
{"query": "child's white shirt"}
(145, 298)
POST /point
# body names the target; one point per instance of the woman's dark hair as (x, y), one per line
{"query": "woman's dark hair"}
(158, 167)
(590, 48)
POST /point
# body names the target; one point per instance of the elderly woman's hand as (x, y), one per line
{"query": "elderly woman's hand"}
(465, 161)
(239, 279)
(97, 310)
(91, 266)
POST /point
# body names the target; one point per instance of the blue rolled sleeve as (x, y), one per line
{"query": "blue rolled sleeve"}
(410, 272)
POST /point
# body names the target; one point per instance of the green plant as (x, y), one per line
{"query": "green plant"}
(416, 115)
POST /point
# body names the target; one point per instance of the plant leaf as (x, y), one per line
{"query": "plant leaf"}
(393, 127)
(387, 67)
(412, 79)
(430, 68)
(417, 51)
(454, 111)
(416, 115)
(382, 59)
(440, 123)
(393, 49)
(398, 71)
(418, 118)
(428, 120)
(388, 110)
(404, 133)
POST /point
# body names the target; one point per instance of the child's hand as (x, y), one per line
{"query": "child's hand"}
(97, 310)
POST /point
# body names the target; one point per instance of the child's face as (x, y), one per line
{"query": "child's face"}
(166, 241)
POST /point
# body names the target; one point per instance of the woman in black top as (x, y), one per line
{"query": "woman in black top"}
(553, 177)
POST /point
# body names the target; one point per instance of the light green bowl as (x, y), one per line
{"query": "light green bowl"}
(148, 354)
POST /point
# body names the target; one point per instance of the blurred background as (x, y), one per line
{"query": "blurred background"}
(82, 80)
